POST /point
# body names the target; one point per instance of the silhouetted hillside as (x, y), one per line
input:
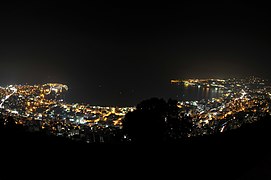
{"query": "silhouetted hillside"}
(243, 153)
(17, 135)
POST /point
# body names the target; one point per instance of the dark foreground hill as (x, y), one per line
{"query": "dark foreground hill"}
(243, 153)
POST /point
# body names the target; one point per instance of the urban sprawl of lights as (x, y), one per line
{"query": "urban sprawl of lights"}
(241, 101)
(42, 107)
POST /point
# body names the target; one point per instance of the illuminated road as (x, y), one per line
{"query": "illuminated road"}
(13, 89)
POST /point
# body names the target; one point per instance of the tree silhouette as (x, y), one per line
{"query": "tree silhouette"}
(186, 126)
(147, 123)
(174, 124)
(10, 123)
(2, 122)
(156, 120)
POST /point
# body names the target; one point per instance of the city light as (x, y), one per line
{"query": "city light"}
(44, 106)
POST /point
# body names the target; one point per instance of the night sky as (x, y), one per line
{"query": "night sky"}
(117, 53)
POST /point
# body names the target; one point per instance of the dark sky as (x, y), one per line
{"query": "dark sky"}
(120, 53)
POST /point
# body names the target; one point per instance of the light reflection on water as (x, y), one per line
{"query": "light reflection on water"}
(197, 93)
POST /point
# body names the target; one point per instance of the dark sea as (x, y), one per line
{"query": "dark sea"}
(197, 93)
(132, 98)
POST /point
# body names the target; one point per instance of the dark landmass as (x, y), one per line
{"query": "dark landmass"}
(243, 153)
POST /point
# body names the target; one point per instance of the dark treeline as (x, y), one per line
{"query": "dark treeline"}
(12, 134)
(156, 121)
(157, 137)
